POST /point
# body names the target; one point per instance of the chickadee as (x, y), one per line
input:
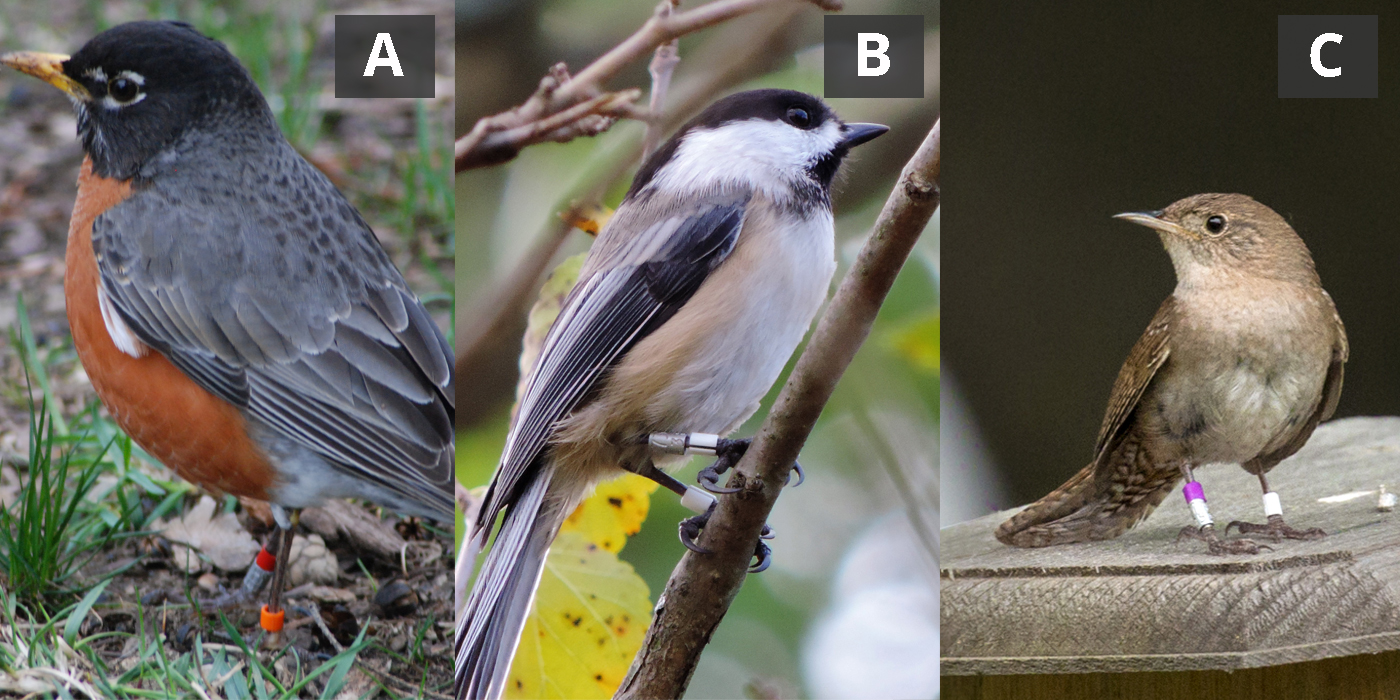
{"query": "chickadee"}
(687, 308)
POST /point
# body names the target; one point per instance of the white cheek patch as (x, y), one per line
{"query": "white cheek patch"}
(760, 153)
(121, 334)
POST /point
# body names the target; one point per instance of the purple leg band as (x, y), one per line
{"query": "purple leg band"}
(1193, 491)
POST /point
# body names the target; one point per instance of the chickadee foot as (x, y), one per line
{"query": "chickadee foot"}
(690, 529)
(1276, 530)
(1218, 546)
(764, 555)
(728, 453)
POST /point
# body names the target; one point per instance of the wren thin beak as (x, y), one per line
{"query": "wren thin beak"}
(855, 134)
(1154, 220)
(47, 67)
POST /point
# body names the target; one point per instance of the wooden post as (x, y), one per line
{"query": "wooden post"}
(1146, 616)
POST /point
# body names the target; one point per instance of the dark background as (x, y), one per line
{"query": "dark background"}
(1063, 118)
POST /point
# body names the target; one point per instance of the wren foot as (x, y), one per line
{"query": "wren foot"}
(1218, 546)
(1276, 530)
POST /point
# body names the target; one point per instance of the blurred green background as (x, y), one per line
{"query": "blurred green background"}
(849, 608)
(1069, 116)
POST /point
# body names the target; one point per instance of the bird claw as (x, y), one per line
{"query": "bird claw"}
(801, 477)
(727, 454)
(764, 556)
(1276, 530)
(708, 478)
(1217, 546)
(690, 529)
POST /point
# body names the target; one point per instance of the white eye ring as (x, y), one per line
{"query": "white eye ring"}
(124, 80)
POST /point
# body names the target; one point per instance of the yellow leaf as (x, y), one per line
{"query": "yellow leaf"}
(588, 619)
(613, 513)
(918, 342)
(589, 218)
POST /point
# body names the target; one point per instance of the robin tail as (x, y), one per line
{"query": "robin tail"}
(489, 625)
(1099, 503)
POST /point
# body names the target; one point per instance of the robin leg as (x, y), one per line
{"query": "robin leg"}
(704, 505)
(1275, 529)
(273, 615)
(259, 572)
(1205, 526)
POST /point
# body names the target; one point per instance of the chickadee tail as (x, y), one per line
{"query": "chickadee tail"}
(1101, 502)
(489, 625)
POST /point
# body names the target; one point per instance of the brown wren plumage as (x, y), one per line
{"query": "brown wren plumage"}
(1239, 365)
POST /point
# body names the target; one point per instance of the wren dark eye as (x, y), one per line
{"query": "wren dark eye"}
(123, 89)
(1215, 224)
(799, 117)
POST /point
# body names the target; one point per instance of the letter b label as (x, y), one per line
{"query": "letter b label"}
(873, 55)
(872, 46)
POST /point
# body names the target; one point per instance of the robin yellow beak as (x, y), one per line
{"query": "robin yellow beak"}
(47, 67)
(1154, 220)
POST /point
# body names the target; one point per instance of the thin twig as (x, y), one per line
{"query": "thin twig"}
(663, 66)
(498, 138)
(702, 586)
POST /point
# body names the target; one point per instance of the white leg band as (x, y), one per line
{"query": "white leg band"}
(702, 443)
(684, 443)
(1272, 505)
(1200, 512)
(697, 500)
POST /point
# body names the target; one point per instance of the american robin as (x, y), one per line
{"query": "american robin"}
(234, 312)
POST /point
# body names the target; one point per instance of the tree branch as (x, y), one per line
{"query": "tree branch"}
(563, 108)
(702, 586)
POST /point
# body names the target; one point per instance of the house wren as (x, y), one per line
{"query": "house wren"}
(1240, 364)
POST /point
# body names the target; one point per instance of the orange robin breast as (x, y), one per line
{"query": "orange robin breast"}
(234, 312)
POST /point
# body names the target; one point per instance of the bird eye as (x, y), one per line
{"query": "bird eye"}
(123, 89)
(1215, 224)
(799, 117)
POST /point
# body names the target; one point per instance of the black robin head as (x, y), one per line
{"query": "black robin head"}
(139, 86)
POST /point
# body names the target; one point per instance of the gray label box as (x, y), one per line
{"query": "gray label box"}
(888, 49)
(1328, 55)
(380, 44)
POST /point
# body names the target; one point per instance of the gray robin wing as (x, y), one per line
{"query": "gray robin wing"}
(1147, 356)
(647, 262)
(273, 294)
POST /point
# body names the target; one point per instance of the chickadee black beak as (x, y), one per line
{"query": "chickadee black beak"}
(853, 135)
